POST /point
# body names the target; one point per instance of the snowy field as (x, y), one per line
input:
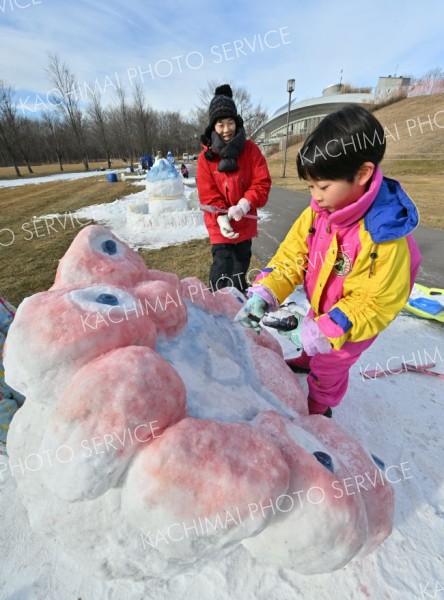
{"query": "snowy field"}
(113, 215)
(397, 417)
(53, 178)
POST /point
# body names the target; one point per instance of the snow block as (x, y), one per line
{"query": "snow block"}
(158, 434)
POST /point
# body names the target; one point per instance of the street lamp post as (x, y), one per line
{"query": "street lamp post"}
(290, 89)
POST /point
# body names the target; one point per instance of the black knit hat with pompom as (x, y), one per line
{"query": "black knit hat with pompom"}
(222, 106)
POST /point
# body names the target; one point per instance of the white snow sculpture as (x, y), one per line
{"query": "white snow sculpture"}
(156, 433)
(167, 205)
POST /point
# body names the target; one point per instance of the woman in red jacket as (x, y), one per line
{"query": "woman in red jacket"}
(232, 175)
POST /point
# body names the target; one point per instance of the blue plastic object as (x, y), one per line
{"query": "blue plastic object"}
(112, 177)
(324, 459)
(429, 306)
(109, 247)
(107, 299)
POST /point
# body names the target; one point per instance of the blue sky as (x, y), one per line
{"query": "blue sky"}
(174, 48)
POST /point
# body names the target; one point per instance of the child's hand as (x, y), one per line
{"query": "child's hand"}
(252, 312)
(307, 336)
(225, 227)
(240, 210)
(313, 339)
(294, 335)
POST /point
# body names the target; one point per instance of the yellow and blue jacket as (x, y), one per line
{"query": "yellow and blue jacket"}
(357, 264)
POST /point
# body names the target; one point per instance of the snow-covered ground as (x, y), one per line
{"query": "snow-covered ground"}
(397, 417)
(52, 178)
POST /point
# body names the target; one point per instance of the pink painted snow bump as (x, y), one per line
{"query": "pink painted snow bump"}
(163, 303)
(225, 302)
(111, 407)
(265, 340)
(282, 383)
(324, 508)
(171, 278)
(55, 333)
(204, 473)
(230, 302)
(199, 295)
(98, 256)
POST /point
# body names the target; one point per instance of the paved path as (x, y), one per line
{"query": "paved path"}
(285, 206)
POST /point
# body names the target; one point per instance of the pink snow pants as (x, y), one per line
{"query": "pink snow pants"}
(328, 377)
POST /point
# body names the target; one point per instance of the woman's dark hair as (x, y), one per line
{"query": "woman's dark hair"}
(340, 144)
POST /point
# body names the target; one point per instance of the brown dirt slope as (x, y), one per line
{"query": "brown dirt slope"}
(414, 127)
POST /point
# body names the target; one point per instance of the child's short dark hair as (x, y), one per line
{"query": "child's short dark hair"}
(340, 144)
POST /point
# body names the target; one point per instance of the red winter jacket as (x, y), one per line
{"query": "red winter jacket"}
(222, 190)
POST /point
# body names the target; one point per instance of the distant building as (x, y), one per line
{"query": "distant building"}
(305, 115)
(391, 85)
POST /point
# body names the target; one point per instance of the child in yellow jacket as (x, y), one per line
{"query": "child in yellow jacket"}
(352, 249)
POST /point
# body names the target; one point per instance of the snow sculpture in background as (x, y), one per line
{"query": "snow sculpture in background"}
(157, 433)
(165, 189)
(167, 205)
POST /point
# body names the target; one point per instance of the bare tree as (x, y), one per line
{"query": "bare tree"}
(26, 139)
(100, 125)
(123, 123)
(51, 122)
(430, 83)
(68, 102)
(169, 124)
(14, 129)
(144, 120)
(7, 123)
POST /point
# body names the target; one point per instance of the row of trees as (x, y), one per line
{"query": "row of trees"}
(73, 130)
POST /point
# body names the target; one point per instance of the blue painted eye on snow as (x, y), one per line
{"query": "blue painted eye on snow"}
(378, 462)
(107, 299)
(324, 459)
(109, 247)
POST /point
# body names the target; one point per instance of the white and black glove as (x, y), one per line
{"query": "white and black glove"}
(240, 210)
(225, 228)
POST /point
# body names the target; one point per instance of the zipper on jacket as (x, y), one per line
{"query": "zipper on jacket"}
(226, 189)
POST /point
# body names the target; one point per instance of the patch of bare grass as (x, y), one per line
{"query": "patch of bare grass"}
(191, 259)
(30, 251)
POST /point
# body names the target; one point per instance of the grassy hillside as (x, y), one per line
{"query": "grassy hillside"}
(415, 128)
(415, 154)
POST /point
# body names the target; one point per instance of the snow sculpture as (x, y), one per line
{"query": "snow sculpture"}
(156, 433)
(165, 188)
(167, 204)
